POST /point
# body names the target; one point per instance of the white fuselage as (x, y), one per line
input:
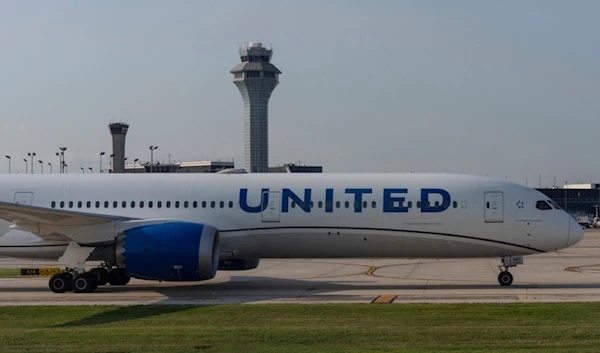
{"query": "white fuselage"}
(311, 215)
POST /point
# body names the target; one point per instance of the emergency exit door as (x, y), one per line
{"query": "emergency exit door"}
(272, 213)
(494, 207)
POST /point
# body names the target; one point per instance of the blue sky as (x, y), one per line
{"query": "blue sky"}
(508, 89)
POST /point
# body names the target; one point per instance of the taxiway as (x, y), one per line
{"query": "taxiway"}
(569, 275)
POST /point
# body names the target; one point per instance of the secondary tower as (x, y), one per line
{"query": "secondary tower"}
(118, 132)
(256, 78)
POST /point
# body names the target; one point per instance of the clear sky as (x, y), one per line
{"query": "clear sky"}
(504, 88)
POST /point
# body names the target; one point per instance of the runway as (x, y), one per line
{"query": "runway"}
(569, 275)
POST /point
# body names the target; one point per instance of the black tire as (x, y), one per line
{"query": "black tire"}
(59, 283)
(505, 278)
(85, 283)
(102, 274)
(117, 277)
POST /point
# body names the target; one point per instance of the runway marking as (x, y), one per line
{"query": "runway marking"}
(371, 271)
(384, 299)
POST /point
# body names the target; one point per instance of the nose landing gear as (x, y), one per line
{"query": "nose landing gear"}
(505, 278)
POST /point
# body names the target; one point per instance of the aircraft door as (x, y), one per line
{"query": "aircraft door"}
(272, 213)
(24, 198)
(494, 207)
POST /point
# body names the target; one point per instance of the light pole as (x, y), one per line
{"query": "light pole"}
(65, 166)
(31, 154)
(101, 154)
(135, 160)
(152, 148)
(41, 166)
(26, 165)
(62, 153)
(566, 209)
(91, 169)
(50, 164)
(8, 157)
(59, 162)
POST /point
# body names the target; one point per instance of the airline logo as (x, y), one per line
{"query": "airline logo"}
(393, 200)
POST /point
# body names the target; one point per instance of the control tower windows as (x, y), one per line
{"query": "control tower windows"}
(238, 75)
(269, 74)
(252, 73)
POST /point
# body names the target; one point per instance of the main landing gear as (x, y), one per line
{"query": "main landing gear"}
(87, 282)
(505, 278)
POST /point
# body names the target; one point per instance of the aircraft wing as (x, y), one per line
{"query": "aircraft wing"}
(26, 214)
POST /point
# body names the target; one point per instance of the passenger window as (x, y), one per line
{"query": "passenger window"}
(212, 204)
(347, 204)
(311, 204)
(159, 204)
(330, 204)
(97, 204)
(409, 204)
(124, 204)
(132, 204)
(195, 204)
(168, 204)
(293, 204)
(230, 204)
(115, 204)
(437, 204)
(53, 204)
(365, 204)
(221, 204)
(203, 204)
(89, 204)
(418, 204)
(79, 204)
(149, 204)
(455, 204)
(62, 204)
(320, 204)
(337, 204)
(542, 205)
(186, 204)
(176, 204)
(373, 204)
(141, 204)
(105, 204)
(70, 204)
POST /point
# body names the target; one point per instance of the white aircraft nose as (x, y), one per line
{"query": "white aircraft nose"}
(575, 232)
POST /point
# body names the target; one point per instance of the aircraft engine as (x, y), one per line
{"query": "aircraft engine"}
(173, 251)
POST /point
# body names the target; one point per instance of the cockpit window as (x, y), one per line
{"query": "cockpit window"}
(553, 204)
(542, 205)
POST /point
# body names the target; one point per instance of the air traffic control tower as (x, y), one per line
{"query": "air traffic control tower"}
(256, 78)
(118, 132)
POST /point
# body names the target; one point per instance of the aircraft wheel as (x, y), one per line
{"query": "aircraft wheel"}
(60, 283)
(102, 274)
(85, 283)
(505, 278)
(117, 277)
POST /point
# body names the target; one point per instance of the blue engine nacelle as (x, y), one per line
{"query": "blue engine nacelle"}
(174, 251)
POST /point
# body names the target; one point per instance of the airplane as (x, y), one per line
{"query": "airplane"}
(186, 227)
